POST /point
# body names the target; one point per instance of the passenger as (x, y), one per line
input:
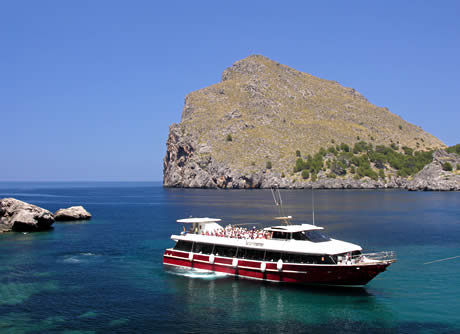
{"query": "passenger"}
(348, 258)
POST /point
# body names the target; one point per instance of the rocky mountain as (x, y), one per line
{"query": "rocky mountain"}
(247, 130)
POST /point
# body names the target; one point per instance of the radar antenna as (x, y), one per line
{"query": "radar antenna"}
(313, 204)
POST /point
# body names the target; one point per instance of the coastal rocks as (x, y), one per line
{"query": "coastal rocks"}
(72, 213)
(434, 177)
(16, 215)
(186, 167)
(195, 172)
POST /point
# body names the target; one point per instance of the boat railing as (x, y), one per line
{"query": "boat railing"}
(368, 258)
(385, 256)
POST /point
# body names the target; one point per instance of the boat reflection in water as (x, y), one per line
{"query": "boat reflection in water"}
(249, 306)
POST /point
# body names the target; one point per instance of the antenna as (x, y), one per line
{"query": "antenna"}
(277, 198)
(313, 204)
(279, 202)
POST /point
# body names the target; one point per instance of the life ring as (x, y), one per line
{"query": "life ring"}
(211, 259)
(190, 256)
(279, 265)
(263, 266)
(235, 263)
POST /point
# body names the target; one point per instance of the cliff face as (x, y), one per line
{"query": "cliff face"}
(434, 177)
(263, 112)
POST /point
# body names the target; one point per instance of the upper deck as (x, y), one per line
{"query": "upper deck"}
(304, 238)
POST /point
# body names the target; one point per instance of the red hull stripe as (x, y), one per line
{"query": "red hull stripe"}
(294, 273)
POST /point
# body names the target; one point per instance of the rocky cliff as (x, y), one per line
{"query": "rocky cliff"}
(434, 176)
(244, 131)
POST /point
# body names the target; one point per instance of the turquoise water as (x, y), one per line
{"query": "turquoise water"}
(106, 275)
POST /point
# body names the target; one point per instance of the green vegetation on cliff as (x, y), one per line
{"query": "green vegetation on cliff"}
(364, 160)
(454, 149)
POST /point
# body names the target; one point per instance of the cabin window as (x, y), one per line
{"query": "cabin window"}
(297, 258)
(250, 254)
(309, 259)
(280, 235)
(306, 258)
(292, 258)
(316, 236)
(272, 256)
(202, 248)
(299, 236)
(313, 236)
(182, 245)
(254, 254)
(225, 251)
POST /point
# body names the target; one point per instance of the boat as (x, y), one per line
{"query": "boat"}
(285, 252)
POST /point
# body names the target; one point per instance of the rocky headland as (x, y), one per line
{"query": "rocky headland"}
(251, 129)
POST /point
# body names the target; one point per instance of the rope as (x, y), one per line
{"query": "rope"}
(448, 258)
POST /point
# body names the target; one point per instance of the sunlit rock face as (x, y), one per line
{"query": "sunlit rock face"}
(72, 213)
(16, 215)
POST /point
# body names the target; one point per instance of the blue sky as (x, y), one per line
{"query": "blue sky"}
(89, 88)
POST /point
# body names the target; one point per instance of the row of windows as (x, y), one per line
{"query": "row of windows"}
(252, 254)
(313, 236)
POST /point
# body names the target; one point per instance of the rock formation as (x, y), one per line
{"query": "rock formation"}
(434, 177)
(260, 114)
(16, 215)
(72, 213)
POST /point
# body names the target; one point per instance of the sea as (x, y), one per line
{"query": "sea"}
(106, 275)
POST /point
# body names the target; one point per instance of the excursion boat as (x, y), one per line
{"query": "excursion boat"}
(282, 253)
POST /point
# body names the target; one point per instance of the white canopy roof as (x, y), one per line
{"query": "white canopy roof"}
(293, 228)
(198, 220)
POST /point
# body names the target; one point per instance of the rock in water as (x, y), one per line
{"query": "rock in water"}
(17, 215)
(72, 213)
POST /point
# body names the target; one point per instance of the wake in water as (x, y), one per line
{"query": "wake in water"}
(80, 258)
(195, 273)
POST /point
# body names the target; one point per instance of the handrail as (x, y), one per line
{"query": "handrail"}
(385, 256)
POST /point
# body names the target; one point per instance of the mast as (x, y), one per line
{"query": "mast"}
(277, 198)
(279, 203)
(313, 204)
